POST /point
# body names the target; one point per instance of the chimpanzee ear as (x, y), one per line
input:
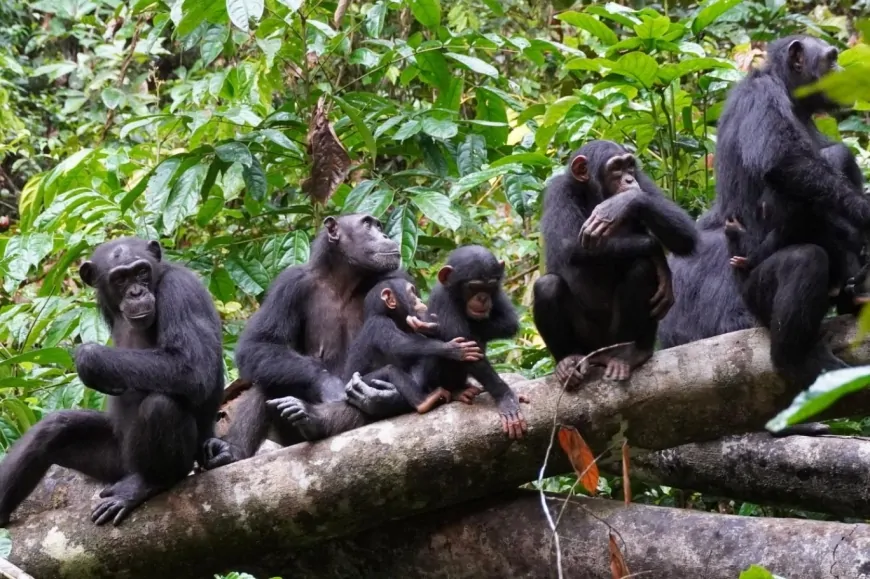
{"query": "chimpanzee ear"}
(331, 224)
(444, 274)
(796, 55)
(580, 169)
(388, 298)
(88, 273)
(155, 249)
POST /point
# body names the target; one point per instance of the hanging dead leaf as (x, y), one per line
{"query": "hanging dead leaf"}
(340, 9)
(618, 567)
(626, 481)
(329, 160)
(581, 457)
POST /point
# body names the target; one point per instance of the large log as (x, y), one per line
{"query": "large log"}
(825, 474)
(310, 492)
(507, 536)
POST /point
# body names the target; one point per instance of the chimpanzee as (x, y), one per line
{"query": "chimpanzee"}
(604, 225)
(164, 378)
(296, 344)
(386, 349)
(468, 301)
(769, 151)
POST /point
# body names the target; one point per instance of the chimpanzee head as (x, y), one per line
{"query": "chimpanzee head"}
(801, 60)
(125, 273)
(395, 298)
(359, 239)
(606, 167)
(473, 276)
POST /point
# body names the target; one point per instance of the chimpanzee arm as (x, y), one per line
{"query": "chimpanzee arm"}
(665, 219)
(392, 341)
(505, 399)
(187, 361)
(623, 246)
(769, 245)
(269, 352)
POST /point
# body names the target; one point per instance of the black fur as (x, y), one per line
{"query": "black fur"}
(297, 342)
(597, 296)
(769, 151)
(164, 375)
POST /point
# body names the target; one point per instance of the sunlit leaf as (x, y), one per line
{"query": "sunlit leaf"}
(213, 43)
(183, 197)
(523, 159)
(556, 112)
(472, 154)
(591, 25)
(581, 457)
(437, 207)
(42, 356)
(710, 12)
(652, 27)
(402, 228)
(112, 97)
(639, 66)
(233, 152)
(427, 12)
(825, 391)
(472, 180)
(374, 22)
(408, 130)
(440, 129)
(474, 64)
(243, 11)
(758, 572)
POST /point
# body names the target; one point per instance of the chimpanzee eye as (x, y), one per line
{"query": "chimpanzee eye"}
(142, 276)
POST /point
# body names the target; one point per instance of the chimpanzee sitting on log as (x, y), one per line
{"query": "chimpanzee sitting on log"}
(467, 303)
(770, 151)
(164, 377)
(604, 224)
(296, 344)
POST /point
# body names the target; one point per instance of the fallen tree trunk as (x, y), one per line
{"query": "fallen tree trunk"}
(507, 536)
(825, 474)
(310, 492)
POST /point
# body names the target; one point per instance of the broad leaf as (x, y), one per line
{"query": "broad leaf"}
(710, 12)
(221, 285)
(361, 127)
(472, 180)
(520, 190)
(638, 66)
(355, 198)
(436, 207)
(440, 129)
(474, 64)
(183, 197)
(213, 43)
(249, 275)
(472, 154)
(427, 12)
(374, 22)
(591, 25)
(233, 152)
(557, 111)
(255, 180)
(408, 130)
(243, 11)
(825, 391)
(652, 28)
(43, 356)
(112, 97)
(402, 228)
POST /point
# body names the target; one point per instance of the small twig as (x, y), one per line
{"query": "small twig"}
(10, 571)
(123, 73)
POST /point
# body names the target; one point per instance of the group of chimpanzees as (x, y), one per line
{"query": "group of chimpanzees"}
(344, 339)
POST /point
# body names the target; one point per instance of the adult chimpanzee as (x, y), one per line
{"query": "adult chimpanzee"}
(164, 377)
(296, 344)
(607, 279)
(769, 151)
(386, 349)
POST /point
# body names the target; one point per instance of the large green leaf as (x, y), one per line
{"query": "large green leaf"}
(591, 25)
(361, 127)
(638, 66)
(249, 275)
(183, 197)
(233, 152)
(374, 22)
(711, 11)
(652, 28)
(255, 180)
(472, 154)
(243, 11)
(112, 97)
(436, 207)
(408, 130)
(471, 181)
(520, 190)
(402, 228)
(524, 159)
(440, 129)
(427, 12)
(213, 43)
(556, 112)
(474, 64)
(221, 285)
(42, 356)
(357, 196)
(757, 572)
(827, 389)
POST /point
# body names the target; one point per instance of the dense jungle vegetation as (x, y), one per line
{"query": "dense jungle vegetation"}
(190, 122)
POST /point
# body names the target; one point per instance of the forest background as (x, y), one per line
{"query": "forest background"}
(188, 122)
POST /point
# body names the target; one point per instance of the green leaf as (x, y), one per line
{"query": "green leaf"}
(374, 22)
(436, 207)
(827, 389)
(221, 285)
(249, 275)
(183, 197)
(523, 159)
(556, 112)
(758, 572)
(377, 202)
(255, 180)
(283, 141)
(710, 12)
(233, 152)
(408, 130)
(213, 43)
(440, 129)
(639, 66)
(474, 64)
(243, 11)
(471, 155)
(591, 25)
(361, 127)
(296, 249)
(520, 190)
(471, 181)
(42, 356)
(402, 228)
(652, 28)
(427, 12)
(293, 5)
(139, 123)
(388, 124)
(357, 195)
(112, 97)
(158, 188)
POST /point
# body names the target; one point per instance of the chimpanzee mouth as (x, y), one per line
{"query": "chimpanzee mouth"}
(478, 314)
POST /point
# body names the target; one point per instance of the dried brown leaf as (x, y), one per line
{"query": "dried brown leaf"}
(330, 162)
(618, 566)
(626, 481)
(581, 457)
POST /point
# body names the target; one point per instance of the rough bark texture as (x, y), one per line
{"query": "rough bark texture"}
(280, 501)
(508, 536)
(823, 474)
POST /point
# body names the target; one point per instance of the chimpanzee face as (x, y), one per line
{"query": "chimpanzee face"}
(361, 240)
(478, 296)
(809, 59)
(620, 174)
(123, 273)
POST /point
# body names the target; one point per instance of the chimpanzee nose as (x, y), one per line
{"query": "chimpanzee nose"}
(135, 291)
(629, 179)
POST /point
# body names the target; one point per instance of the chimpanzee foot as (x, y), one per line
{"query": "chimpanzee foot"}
(437, 397)
(617, 369)
(217, 453)
(623, 362)
(571, 370)
(122, 498)
(299, 415)
(468, 395)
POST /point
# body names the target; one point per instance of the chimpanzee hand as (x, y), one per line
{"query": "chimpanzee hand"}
(607, 217)
(421, 327)
(571, 370)
(464, 350)
(663, 299)
(512, 421)
(289, 408)
(738, 262)
(216, 453)
(468, 395)
(88, 358)
(378, 399)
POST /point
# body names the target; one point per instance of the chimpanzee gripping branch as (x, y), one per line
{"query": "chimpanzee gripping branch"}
(263, 510)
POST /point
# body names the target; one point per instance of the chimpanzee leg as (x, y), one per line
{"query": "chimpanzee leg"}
(159, 449)
(552, 308)
(634, 321)
(788, 292)
(412, 390)
(82, 440)
(247, 431)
